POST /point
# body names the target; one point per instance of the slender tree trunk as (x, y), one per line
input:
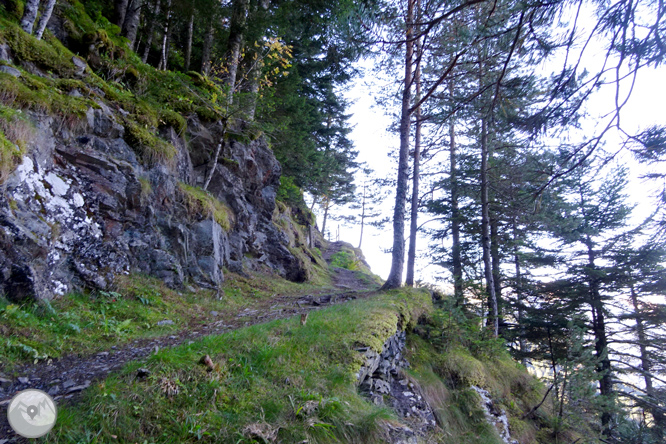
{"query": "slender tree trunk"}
(236, 36)
(190, 33)
(519, 296)
(44, 19)
(29, 15)
(600, 338)
(151, 31)
(485, 230)
(365, 188)
(207, 49)
(120, 10)
(254, 79)
(166, 34)
(398, 252)
(132, 18)
(455, 216)
(326, 203)
(495, 258)
(413, 225)
(646, 362)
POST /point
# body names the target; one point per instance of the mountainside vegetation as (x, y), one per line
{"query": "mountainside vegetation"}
(155, 160)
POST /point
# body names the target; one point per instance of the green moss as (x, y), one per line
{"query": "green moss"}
(10, 156)
(458, 365)
(150, 148)
(15, 133)
(47, 54)
(202, 204)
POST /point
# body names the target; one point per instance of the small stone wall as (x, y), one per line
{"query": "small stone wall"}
(382, 381)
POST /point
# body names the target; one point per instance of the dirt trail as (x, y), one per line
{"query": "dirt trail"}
(66, 377)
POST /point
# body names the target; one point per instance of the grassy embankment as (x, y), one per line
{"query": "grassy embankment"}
(277, 380)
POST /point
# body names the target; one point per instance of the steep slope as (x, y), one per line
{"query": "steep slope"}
(103, 179)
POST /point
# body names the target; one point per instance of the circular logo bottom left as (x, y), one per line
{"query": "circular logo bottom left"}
(32, 413)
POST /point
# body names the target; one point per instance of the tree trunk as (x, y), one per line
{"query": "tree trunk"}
(131, 24)
(29, 15)
(360, 240)
(326, 203)
(600, 337)
(253, 88)
(151, 31)
(44, 19)
(120, 10)
(413, 225)
(207, 49)
(495, 258)
(519, 296)
(166, 34)
(485, 230)
(236, 35)
(455, 216)
(188, 47)
(398, 252)
(646, 362)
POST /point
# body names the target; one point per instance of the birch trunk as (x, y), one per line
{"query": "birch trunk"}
(29, 15)
(44, 19)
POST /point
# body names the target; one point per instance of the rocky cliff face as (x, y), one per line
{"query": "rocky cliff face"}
(81, 209)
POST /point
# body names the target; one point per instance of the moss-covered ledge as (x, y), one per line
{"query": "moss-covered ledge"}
(280, 377)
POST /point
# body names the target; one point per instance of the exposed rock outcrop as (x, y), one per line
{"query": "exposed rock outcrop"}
(381, 380)
(81, 208)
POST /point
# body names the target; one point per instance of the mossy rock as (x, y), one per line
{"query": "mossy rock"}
(461, 368)
(201, 204)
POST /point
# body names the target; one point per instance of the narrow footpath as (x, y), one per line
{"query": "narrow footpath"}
(66, 377)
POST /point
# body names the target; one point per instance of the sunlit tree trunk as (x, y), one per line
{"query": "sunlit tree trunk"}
(236, 36)
(164, 58)
(398, 251)
(44, 19)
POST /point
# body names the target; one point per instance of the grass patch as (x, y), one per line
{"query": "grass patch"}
(277, 379)
(344, 259)
(15, 133)
(201, 204)
(90, 322)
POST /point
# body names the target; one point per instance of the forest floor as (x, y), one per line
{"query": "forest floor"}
(66, 377)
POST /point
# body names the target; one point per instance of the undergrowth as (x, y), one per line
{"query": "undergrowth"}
(452, 352)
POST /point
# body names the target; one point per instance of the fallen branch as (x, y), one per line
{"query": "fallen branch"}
(535, 408)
